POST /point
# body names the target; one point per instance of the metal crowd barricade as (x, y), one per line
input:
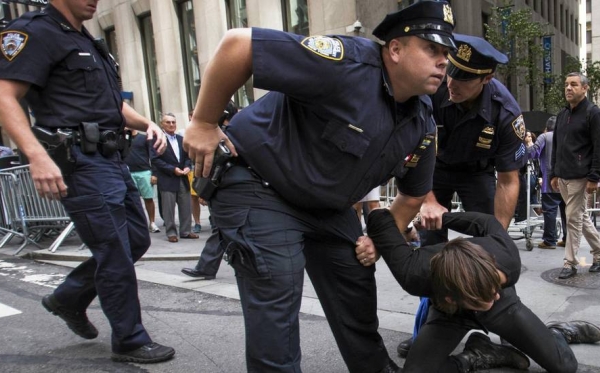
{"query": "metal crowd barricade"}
(24, 213)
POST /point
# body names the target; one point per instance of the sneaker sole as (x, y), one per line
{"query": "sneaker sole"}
(130, 359)
(53, 311)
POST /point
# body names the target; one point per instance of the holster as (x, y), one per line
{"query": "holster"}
(58, 145)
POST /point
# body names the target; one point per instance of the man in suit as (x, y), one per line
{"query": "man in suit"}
(171, 169)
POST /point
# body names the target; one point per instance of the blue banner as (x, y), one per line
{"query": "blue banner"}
(547, 45)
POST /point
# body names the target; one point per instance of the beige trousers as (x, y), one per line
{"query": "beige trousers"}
(578, 221)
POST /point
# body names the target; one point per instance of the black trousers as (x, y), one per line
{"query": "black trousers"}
(508, 318)
(270, 243)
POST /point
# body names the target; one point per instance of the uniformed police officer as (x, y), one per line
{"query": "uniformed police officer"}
(343, 116)
(480, 132)
(66, 78)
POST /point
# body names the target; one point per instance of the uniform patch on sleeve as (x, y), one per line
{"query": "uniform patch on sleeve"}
(520, 152)
(13, 42)
(519, 127)
(324, 46)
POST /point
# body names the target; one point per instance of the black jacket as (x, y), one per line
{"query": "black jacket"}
(576, 143)
(411, 267)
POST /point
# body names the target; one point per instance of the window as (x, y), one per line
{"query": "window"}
(150, 65)
(295, 16)
(191, 68)
(236, 13)
(111, 41)
(5, 16)
(588, 6)
(236, 18)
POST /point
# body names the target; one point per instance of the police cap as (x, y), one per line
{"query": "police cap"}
(473, 58)
(427, 19)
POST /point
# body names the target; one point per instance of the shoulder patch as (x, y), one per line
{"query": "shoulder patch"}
(519, 126)
(12, 43)
(325, 46)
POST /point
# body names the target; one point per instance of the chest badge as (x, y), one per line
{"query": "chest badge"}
(324, 46)
(485, 138)
(13, 43)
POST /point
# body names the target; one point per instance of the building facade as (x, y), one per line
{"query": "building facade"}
(163, 46)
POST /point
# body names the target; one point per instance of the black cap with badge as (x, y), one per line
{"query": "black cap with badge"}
(427, 19)
(473, 58)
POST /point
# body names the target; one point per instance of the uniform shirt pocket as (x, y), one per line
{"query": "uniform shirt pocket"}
(346, 137)
(83, 72)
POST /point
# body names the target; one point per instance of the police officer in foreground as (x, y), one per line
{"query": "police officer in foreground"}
(71, 84)
(344, 115)
(480, 134)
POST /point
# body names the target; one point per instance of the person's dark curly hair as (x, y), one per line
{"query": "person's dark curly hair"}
(464, 276)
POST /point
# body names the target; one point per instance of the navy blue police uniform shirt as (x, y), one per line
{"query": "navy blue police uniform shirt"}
(465, 137)
(330, 131)
(71, 82)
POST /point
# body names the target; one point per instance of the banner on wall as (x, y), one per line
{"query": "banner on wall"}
(547, 46)
(27, 2)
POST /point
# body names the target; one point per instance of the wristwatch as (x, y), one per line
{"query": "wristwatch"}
(409, 228)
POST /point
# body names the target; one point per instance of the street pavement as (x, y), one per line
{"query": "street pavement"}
(217, 316)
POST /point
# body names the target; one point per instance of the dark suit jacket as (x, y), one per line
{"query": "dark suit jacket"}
(164, 165)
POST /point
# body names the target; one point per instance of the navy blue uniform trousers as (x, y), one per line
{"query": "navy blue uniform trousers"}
(105, 207)
(270, 242)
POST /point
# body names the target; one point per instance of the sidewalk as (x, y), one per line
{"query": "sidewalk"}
(551, 299)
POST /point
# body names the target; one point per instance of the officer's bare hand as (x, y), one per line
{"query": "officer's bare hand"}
(431, 215)
(155, 132)
(47, 178)
(365, 251)
(200, 142)
(591, 187)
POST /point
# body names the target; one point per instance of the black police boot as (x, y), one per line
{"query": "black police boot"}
(481, 353)
(77, 321)
(391, 367)
(577, 331)
(404, 347)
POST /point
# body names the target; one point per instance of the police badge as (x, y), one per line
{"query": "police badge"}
(13, 42)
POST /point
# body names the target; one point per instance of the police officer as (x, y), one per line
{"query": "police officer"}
(480, 133)
(49, 59)
(344, 115)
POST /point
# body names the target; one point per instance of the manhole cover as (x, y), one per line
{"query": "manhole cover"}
(583, 279)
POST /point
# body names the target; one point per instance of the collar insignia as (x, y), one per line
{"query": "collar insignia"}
(325, 46)
(448, 16)
(464, 52)
(13, 42)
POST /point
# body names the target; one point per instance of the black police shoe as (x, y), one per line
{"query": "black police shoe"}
(148, 354)
(404, 347)
(567, 272)
(480, 353)
(192, 272)
(595, 267)
(577, 331)
(76, 321)
(391, 367)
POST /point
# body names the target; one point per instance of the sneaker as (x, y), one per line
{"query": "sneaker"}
(76, 321)
(197, 228)
(154, 228)
(148, 354)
